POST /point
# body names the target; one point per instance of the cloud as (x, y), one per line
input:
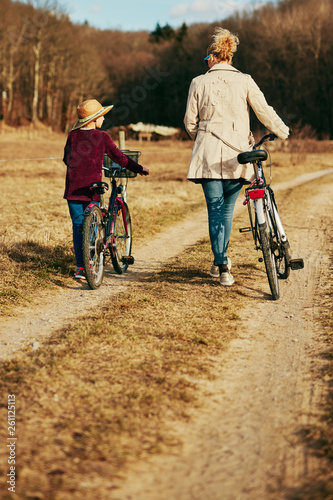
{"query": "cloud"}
(179, 10)
(95, 9)
(207, 10)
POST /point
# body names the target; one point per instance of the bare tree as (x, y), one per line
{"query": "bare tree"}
(41, 15)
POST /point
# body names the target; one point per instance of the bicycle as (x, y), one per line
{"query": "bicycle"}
(265, 223)
(107, 229)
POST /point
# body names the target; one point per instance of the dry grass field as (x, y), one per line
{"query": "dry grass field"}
(108, 389)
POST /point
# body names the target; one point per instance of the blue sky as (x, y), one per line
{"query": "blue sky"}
(145, 14)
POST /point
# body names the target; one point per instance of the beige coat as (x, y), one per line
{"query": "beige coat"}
(217, 118)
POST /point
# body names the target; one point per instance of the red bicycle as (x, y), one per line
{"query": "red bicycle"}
(107, 229)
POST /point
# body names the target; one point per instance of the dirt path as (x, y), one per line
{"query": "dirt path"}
(60, 307)
(244, 444)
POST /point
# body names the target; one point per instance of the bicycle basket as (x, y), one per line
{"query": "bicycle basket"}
(117, 169)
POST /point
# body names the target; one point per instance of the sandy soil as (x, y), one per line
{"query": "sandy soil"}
(244, 444)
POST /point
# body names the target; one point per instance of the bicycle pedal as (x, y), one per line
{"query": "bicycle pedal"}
(245, 230)
(128, 260)
(296, 264)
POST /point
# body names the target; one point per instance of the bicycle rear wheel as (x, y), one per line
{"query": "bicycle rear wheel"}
(93, 246)
(267, 246)
(122, 240)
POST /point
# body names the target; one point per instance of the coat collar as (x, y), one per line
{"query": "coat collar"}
(223, 66)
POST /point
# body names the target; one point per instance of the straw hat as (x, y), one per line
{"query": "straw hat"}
(88, 111)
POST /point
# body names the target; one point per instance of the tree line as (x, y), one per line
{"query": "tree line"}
(48, 64)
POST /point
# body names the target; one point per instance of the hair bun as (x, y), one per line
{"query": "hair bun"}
(224, 44)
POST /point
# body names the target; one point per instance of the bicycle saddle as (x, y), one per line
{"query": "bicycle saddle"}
(252, 156)
(99, 187)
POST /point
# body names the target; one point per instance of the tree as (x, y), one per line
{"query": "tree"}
(161, 34)
(40, 19)
(48, 64)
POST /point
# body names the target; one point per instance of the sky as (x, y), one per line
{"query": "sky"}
(137, 15)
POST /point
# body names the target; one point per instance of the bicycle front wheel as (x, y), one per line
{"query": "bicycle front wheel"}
(280, 246)
(122, 238)
(283, 262)
(267, 246)
(93, 246)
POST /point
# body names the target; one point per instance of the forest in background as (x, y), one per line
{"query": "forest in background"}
(48, 65)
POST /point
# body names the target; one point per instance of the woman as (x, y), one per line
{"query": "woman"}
(217, 118)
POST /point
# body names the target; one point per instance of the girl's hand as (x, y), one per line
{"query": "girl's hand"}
(145, 171)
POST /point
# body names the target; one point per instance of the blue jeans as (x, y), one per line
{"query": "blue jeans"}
(76, 210)
(221, 196)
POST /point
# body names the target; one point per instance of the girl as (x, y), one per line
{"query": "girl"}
(84, 153)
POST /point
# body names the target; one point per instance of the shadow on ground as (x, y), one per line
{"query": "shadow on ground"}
(35, 257)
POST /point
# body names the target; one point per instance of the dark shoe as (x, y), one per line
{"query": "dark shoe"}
(80, 274)
(215, 271)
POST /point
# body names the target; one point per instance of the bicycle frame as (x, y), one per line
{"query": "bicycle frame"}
(260, 192)
(272, 208)
(112, 207)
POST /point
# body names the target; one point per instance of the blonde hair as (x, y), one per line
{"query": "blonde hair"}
(224, 44)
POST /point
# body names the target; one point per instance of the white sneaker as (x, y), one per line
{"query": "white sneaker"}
(215, 271)
(227, 279)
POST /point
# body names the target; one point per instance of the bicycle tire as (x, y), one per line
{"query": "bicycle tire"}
(283, 264)
(268, 254)
(93, 246)
(121, 243)
(280, 248)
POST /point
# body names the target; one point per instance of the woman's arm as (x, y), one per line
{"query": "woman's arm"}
(265, 113)
(191, 119)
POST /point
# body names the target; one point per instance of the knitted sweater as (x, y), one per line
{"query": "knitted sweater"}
(84, 153)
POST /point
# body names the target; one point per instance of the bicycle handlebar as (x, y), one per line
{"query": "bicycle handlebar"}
(268, 137)
(114, 169)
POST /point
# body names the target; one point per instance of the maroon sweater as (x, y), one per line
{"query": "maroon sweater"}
(84, 153)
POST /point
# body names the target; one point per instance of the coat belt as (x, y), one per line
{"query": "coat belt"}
(211, 127)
